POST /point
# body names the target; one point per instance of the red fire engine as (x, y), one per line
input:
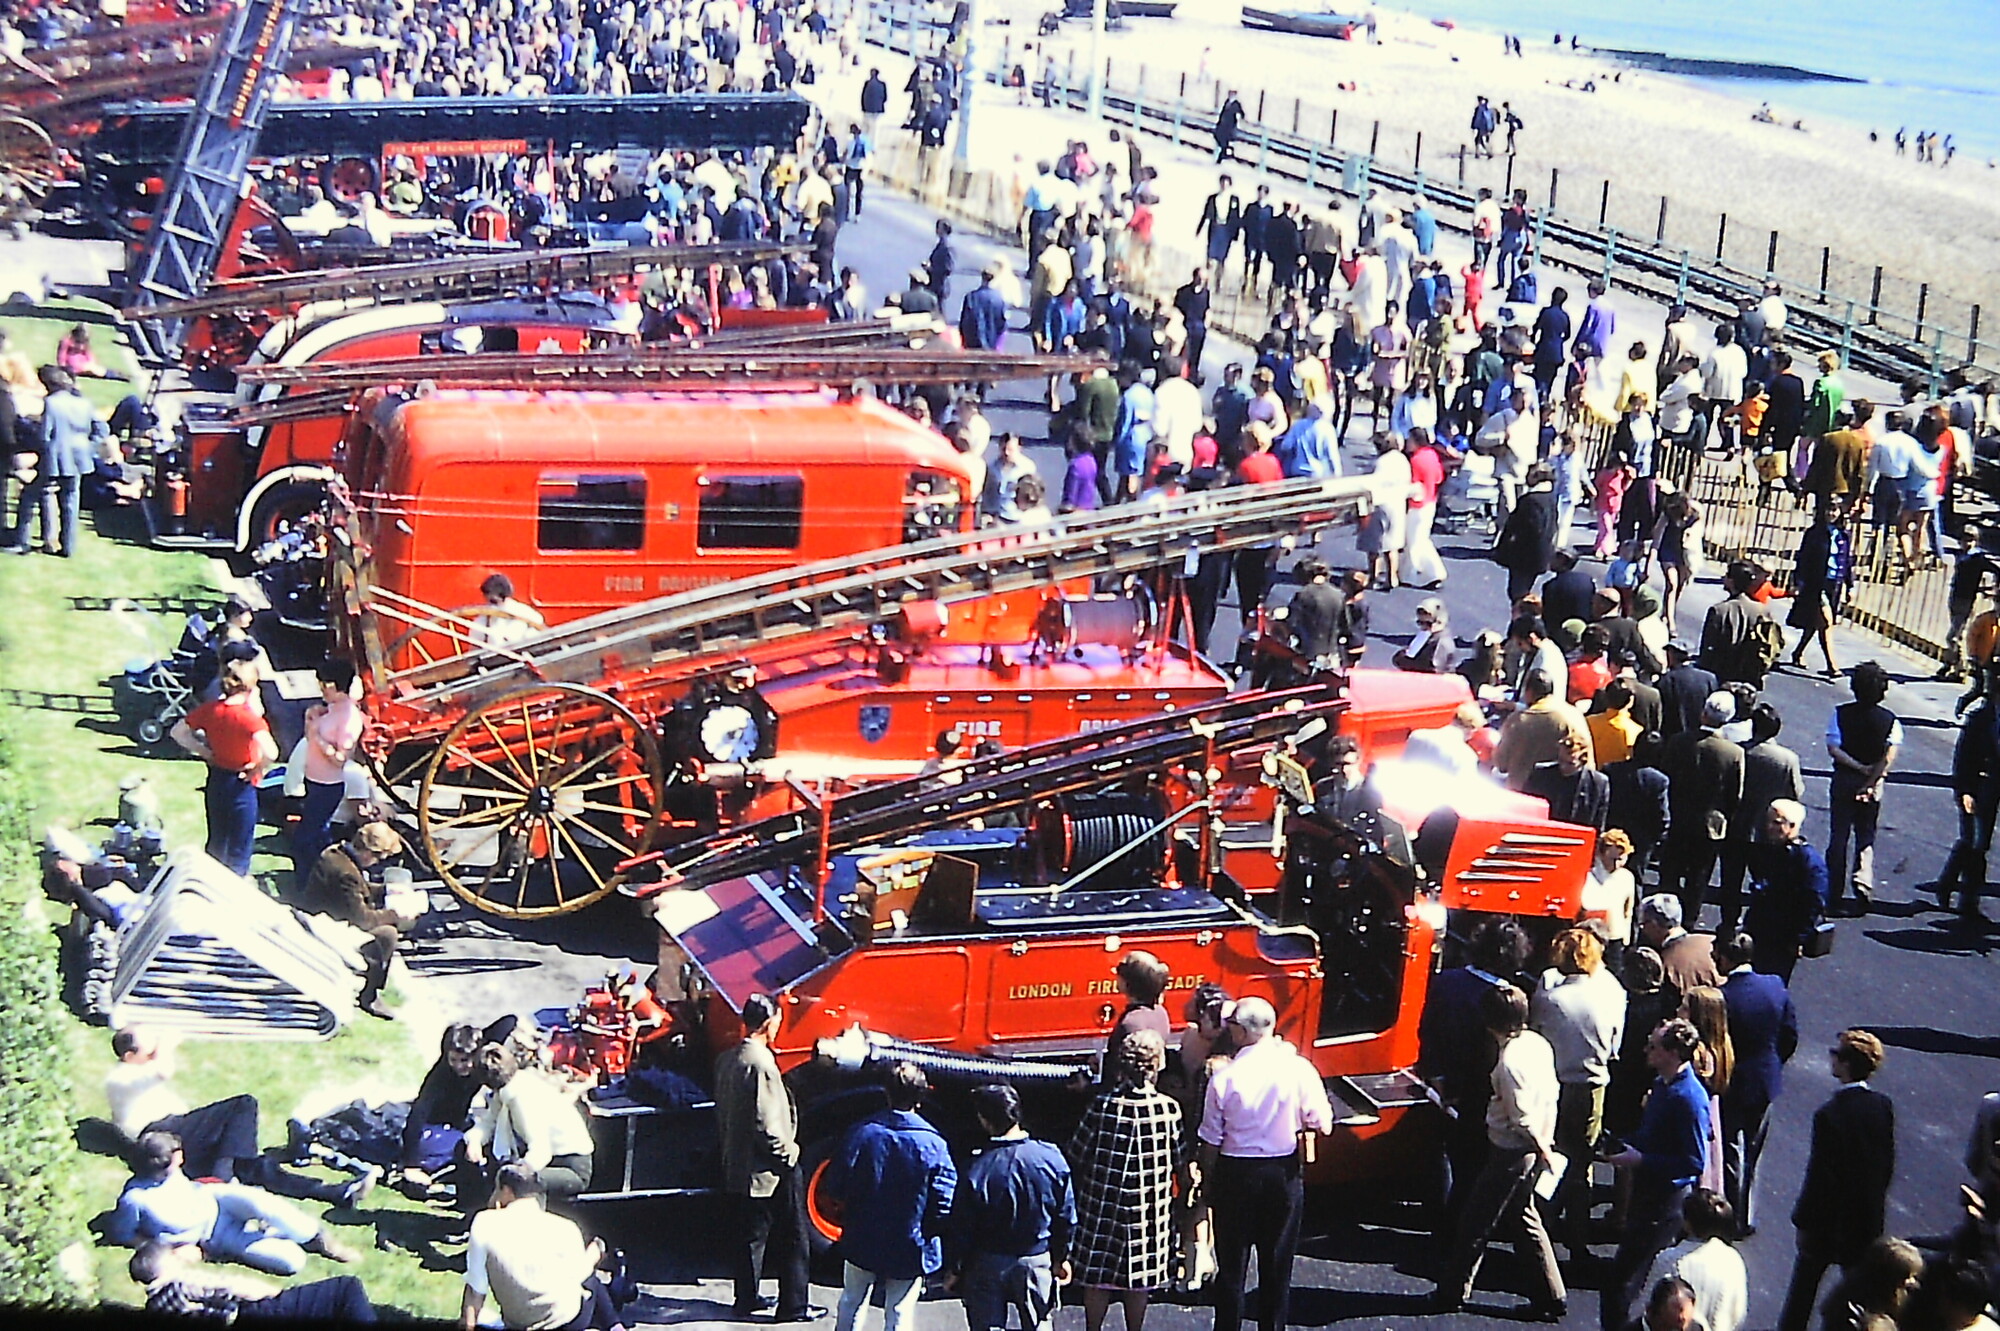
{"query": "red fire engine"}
(245, 481)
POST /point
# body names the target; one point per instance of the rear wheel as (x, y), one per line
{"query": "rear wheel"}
(281, 505)
(822, 1227)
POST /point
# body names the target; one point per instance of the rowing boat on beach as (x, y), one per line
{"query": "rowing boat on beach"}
(1304, 23)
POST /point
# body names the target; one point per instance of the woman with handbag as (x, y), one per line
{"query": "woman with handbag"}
(1825, 572)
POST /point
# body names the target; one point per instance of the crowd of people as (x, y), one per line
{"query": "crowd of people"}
(1632, 1038)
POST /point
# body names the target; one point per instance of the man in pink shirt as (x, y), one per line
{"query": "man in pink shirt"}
(1259, 1106)
(333, 729)
(1420, 554)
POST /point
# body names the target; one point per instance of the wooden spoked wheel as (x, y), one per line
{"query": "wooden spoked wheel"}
(532, 800)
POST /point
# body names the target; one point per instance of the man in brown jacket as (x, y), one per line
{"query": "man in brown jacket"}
(759, 1127)
(338, 887)
(1840, 459)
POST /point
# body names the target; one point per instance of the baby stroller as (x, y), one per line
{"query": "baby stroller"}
(154, 694)
(1472, 492)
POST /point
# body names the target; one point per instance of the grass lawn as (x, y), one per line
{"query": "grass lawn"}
(57, 662)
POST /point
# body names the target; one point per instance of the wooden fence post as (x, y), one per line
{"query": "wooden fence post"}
(1660, 235)
(1555, 178)
(1604, 204)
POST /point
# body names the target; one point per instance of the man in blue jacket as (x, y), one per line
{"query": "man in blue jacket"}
(1666, 1157)
(1011, 1221)
(893, 1179)
(982, 319)
(66, 454)
(1764, 1028)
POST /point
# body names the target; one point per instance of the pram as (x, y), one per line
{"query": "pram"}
(1471, 492)
(154, 694)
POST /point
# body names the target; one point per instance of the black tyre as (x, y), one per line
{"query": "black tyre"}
(285, 502)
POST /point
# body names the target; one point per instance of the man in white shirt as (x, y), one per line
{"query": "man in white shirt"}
(527, 1119)
(1258, 1106)
(1580, 1011)
(1521, 1127)
(1177, 415)
(534, 1266)
(1705, 1260)
(218, 1140)
(1722, 378)
(1678, 399)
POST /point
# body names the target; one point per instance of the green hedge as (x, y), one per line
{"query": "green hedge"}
(40, 1211)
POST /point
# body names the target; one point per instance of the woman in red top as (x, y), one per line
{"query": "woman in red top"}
(1258, 467)
(232, 737)
(1420, 555)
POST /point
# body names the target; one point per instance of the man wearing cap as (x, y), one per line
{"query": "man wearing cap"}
(758, 1124)
(918, 298)
(1684, 689)
(339, 888)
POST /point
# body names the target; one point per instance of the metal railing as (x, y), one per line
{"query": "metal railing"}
(1893, 343)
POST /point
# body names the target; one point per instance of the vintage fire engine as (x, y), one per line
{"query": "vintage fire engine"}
(732, 717)
(972, 927)
(245, 470)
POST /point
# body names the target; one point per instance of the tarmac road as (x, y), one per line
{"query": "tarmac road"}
(1907, 972)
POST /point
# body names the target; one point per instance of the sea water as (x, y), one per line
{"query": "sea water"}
(1925, 64)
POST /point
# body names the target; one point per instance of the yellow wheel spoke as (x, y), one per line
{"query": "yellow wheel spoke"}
(462, 853)
(621, 810)
(569, 778)
(528, 740)
(624, 780)
(506, 752)
(505, 810)
(577, 851)
(508, 782)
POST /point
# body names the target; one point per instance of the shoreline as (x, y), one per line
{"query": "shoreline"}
(1840, 203)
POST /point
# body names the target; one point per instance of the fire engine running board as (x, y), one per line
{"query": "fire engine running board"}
(773, 613)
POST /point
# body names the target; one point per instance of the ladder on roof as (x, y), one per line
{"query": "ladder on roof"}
(768, 616)
(888, 811)
(211, 166)
(756, 355)
(479, 276)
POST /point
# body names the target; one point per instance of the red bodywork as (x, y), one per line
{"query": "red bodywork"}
(226, 462)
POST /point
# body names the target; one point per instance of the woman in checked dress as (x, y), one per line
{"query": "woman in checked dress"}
(1122, 1163)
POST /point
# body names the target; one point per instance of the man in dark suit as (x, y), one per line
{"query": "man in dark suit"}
(1842, 1203)
(1566, 595)
(1576, 791)
(1608, 613)
(1705, 772)
(1312, 616)
(1730, 634)
(1648, 709)
(1528, 542)
(1641, 801)
(1764, 1028)
(65, 454)
(1683, 689)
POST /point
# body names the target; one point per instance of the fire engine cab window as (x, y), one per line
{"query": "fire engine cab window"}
(751, 512)
(591, 513)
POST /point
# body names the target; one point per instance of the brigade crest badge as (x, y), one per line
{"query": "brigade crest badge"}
(874, 722)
